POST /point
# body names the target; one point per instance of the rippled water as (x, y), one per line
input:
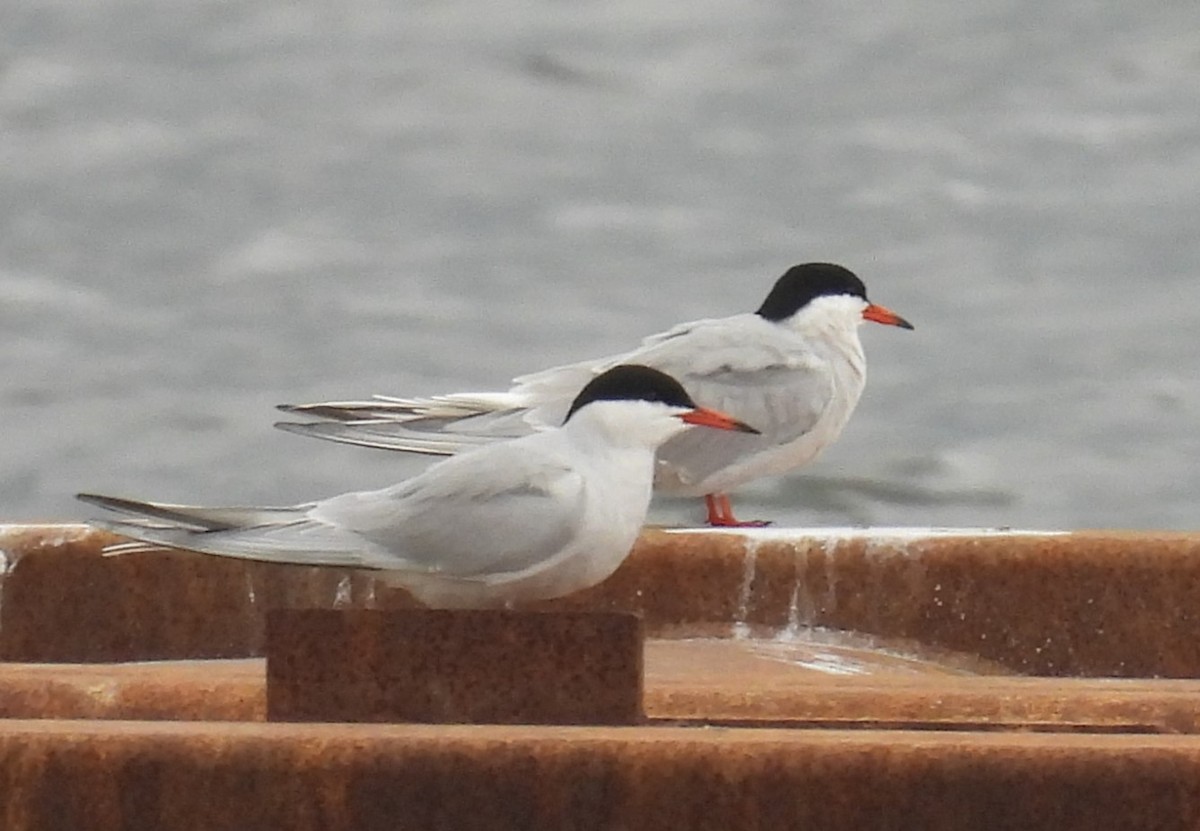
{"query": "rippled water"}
(212, 207)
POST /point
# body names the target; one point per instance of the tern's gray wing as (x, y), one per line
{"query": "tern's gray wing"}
(445, 424)
(754, 369)
(411, 436)
(503, 509)
(543, 398)
(682, 352)
(742, 347)
(750, 368)
(786, 402)
(283, 535)
(499, 510)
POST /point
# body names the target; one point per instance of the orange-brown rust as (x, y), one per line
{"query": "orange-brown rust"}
(111, 775)
(461, 666)
(1109, 604)
(206, 690)
(690, 681)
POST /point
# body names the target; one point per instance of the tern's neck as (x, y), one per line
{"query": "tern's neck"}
(829, 326)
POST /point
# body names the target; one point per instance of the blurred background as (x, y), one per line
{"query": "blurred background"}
(211, 207)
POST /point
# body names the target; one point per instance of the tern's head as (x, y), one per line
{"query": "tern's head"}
(815, 290)
(640, 405)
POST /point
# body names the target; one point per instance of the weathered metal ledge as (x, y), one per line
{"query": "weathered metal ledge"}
(836, 679)
(345, 777)
(1096, 604)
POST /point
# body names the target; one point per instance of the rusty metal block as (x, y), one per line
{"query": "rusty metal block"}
(425, 665)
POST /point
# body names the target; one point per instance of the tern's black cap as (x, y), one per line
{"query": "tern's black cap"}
(803, 283)
(632, 382)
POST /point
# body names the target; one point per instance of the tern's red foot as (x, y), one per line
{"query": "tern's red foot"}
(720, 514)
(740, 523)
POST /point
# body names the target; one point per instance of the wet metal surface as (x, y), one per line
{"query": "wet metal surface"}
(695, 681)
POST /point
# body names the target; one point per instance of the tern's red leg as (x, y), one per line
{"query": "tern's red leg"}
(720, 513)
(715, 517)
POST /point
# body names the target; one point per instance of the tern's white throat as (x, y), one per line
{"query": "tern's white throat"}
(829, 313)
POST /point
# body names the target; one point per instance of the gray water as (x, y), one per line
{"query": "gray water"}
(210, 207)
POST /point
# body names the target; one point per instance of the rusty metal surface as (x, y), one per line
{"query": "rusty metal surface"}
(1103, 604)
(696, 682)
(981, 751)
(460, 666)
(131, 775)
(62, 600)
(201, 690)
(1090, 604)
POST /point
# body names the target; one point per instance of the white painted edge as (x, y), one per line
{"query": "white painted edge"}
(772, 533)
(872, 533)
(56, 533)
(20, 527)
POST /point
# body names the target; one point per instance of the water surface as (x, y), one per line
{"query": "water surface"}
(213, 207)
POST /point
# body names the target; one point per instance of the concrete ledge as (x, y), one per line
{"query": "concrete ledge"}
(118, 775)
(1103, 604)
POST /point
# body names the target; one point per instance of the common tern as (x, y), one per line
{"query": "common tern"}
(794, 368)
(532, 518)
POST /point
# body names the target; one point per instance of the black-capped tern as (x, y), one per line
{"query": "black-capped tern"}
(794, 368)
(531, 518)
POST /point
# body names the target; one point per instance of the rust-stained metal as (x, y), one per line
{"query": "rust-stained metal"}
(736, 734)
(693, 682)
(459, 666)
(122, 775)
(1102, 604)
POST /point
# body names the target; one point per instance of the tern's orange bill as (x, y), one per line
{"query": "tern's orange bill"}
(880, 314)
(715, 418)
